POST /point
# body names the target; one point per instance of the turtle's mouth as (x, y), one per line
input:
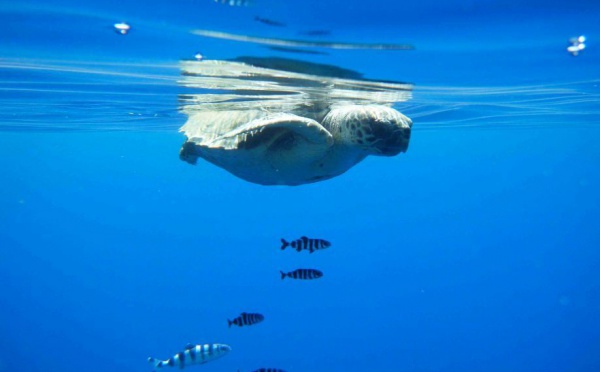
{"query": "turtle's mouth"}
(390, 140)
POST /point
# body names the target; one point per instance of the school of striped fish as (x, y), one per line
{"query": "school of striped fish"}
(204, 353)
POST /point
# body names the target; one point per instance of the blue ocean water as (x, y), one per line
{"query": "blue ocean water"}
(475, 250)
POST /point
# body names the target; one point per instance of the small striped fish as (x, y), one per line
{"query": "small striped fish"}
(305, 243)
(193, 354)
(246, 319)
(302, 274)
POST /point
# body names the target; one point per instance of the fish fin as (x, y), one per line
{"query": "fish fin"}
(189, 346)
(284, 244)
(155, 362)
(282, 274)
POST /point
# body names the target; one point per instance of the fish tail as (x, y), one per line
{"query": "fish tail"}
(155, 362)
(282, 274)
(229, 323)
(284, 244)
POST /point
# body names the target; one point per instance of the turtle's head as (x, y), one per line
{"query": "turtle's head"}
(375, 129)
(385, 138)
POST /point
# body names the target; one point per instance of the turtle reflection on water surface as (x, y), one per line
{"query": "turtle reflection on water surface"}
(278, 121)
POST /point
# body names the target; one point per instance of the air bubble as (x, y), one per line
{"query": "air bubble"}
(577, 45)
(122, 28)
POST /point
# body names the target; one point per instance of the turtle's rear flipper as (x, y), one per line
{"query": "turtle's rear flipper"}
(188, 153)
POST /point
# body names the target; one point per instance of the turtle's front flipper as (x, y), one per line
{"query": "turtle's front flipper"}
(277, 132)
(188, 153)
(289, 146)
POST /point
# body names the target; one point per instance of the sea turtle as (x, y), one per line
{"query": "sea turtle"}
(301, 145)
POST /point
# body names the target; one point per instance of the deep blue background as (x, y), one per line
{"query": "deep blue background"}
(477, 250)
